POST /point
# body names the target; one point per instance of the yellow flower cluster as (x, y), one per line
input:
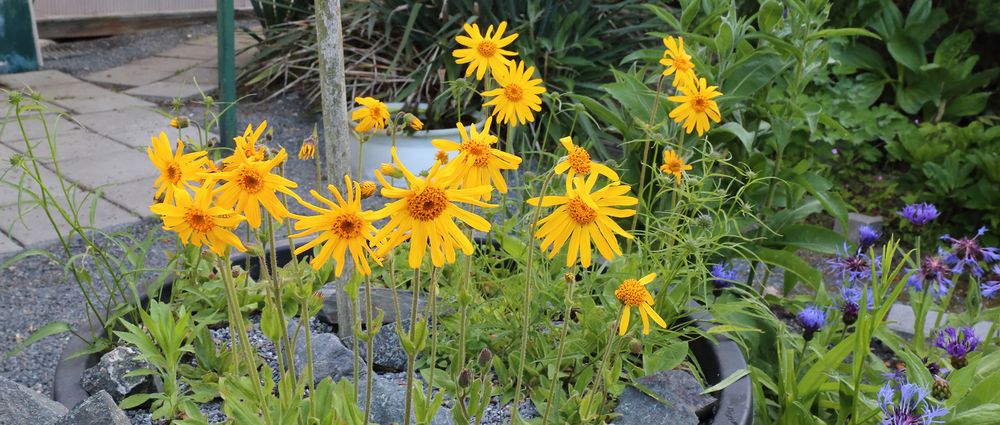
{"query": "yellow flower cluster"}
(696, 104)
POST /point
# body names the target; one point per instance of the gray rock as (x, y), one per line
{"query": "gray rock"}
(387, 351)
(330, 357)
(680, 391)
(100, 408)
(19, 405)
(381, 300)
(389, 403)
(854, 222)
(109, 374)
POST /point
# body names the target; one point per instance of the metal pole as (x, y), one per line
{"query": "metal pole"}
(226, 30)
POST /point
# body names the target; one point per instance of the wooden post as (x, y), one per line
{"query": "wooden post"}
(338, 146)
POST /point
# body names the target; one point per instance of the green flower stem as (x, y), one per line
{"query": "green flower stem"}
(369, 350)
(411, 358)
(238, 331)
(526, 302)
(289, 355)
(612, 336)
(463, 309)
(567, 311)
(645, 160)
(434, 334)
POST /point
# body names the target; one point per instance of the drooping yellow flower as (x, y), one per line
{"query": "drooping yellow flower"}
(678, 62)
(673, 164)
(198, 222)
(583, 217)
(578, 162)
(484, 52)
(633, 293)
(425, 214)
(367, 189)
(373, 114)
(179, 122)
(344, 227)
(696, 106)
(246, 149)
(308, 149)
(177, 169)
(252, 185)
(517, 96)
(414, 122)
(478, 163)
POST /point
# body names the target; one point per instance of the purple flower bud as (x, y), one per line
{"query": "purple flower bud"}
(919, 214)
(811, 319)
(867, 236)
(725, 275)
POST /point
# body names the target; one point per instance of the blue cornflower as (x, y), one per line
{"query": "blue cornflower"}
(912, 407)
(933, 270)
(812, 319)
(850, 303)
(990, 289)
(867, 236)
(725, 275)
(967, 252)
(958, 343)
(854, 268)
(919, 214)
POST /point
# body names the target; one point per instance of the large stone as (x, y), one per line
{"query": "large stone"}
(854, 222)
(100, 409)
(681, 396)
(381, 300)
(109, 374)
(389, 403)
(329, 356)
(387, 350)
(19, 405)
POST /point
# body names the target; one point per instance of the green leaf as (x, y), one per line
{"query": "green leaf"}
(136, 400)
(51, 328)
(811, 237)
(818, 187)
(751, 74)
(729, 380)
(745, 137)
(665, 16)
(769, 15)
(984, 414)
(792, 264)
(906, 51)
(967, 105)
(817, 374)
(842, 32)
(665, 358)
(919, 12)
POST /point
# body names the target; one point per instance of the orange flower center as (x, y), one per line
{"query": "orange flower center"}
(580, 212)
(487, 48)
(699, 103)
(479, 151)
(249, 180)
(579, 160)
(631, 293)
(199, 220)
(347, 226)
(673, 166)
(427, 204)
(377, 112)
(513, 92)
(173, 173)
(683, 64)
(441, 156)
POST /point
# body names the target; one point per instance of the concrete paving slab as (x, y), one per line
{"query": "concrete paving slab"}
(204, 76)
(191, 51)
(142, 71)
(74, 145)
(118, 167)
(134, 196)
(901, 319)
(29, 226)
(204, 41)
(18, 188)
(85, 97)
(37, 79)
(131, 126)
(34, 127)
(8, 247)
(171, 90)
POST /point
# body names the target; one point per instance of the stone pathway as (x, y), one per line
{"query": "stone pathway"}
(100, 136)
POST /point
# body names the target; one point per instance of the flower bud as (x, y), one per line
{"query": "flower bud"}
(414, 122)
(442, 157)
(464, 378)
(15, 97)
(485, 356)
(308, 149)
(180, 122)
(635, 346)
(390, 170)
(941, 390)
(569, 278)
(368, 189)
(16, 160)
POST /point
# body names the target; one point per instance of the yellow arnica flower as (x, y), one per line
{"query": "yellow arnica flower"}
(177, 169)
(308, 149)
(343, 227)
(696, 106)
(373, 114)
(390, 170)
(442, 157)
(368, 189)
(578, 162)
(246, 147)
(197, 222)
(251, 185)
(425, 215)
(484, 52)
(478, 163)
(672, 164)
(678, 62)
(517, 96)
(583, 217)
(415, 123)
(633, 293)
